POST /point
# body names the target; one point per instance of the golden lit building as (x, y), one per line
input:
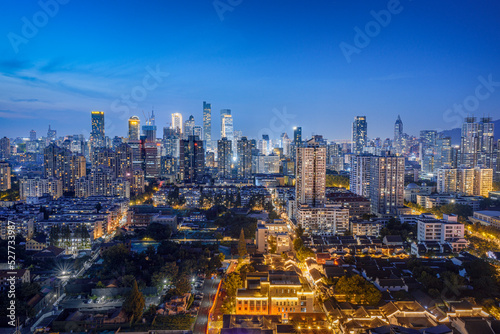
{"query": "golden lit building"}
(274, 293)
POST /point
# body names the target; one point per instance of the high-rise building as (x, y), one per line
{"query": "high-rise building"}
(32, 135)
(149, 129)
(359, 134)
(171, 142)
(51, 134)
(386, 184)
(286, 144)
(266, 164)
(443, 154)
(4, 148)
(192, 160)
(61, 164)
(5, 183)
(465, 181)
(310, 174)
(37, 187)
(224, 157)
(297, 136)
(97, 133)
(198, 132)
(427, 150)
(227, 130)
(476, 146)
(207, 124)
(177, 122)
(244, 158)
(359, 181)
(134, 124)
(398, 136)
(223, 113)
(188, 127)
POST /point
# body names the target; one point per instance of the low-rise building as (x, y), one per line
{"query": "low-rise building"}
(274, 293)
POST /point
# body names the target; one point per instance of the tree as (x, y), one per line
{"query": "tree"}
(183, 285)
(273, 244)
(232, 284)
(242, 245)
(100, 285)
(128, 281)
(357, 289)
(299, 231)
(134, 303)
(98, 207)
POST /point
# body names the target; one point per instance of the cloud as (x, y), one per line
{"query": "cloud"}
(14, 114)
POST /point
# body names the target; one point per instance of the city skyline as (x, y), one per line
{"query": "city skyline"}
(268, 69)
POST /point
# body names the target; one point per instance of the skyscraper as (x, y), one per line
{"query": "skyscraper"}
(97, 134)
(192, 160)
(359, 134)
(177, 122)
(4, 148)
(476, 146)
(4, 176)
(51, 134)
(223, 112)
(224, 157)
(207, 124)
(359, 180)
(244, 158)
(149, 129)
(313, 213)
(227, 130)
(188, 127)
(32, 135)
(134, 124)
(386, 184)
(311, 174)
(297, 136)
(398, 135)
(427, 150)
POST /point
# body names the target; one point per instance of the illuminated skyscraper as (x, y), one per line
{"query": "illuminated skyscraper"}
(311, 174)
(227, 127)
(207, 124)
(188, 127)
(297, 136)
(133, 128)
(398, 135)
(32, 135)
(97, 134)
(177, 122)
(244, 158)
(4, 148)
(359, 134)
(476, 146)
(51, 134)
(4, 176)
(149, 130)
(192, 160)
(386, 184)
(224, 157)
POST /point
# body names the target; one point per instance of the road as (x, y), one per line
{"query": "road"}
(209, 290)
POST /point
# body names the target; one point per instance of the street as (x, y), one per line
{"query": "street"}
(209, 290)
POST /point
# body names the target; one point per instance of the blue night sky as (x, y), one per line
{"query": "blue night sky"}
(264, 58)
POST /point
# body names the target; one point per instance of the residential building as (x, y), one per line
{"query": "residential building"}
(5, 176)
(386, 184)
